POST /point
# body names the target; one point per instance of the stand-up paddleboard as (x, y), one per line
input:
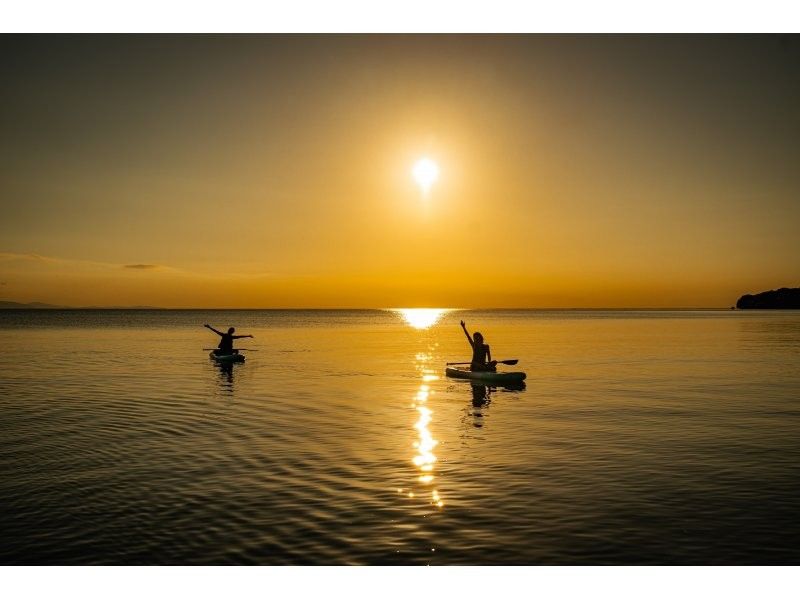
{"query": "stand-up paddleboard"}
(231, 358)
(489, 377)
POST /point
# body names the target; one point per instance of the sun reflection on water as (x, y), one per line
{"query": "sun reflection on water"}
(421, 318)
(425, 459)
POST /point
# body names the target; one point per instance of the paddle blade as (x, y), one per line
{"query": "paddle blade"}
(505, 362)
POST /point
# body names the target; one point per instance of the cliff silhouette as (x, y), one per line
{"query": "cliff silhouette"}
(778, 299)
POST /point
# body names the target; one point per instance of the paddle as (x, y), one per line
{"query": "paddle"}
(504, 362)
(215, 348)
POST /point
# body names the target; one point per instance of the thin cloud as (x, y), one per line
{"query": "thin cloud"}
(8, 256)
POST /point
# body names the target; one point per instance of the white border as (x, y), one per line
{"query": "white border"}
(410, 16)
(422, 16)
(401, 582)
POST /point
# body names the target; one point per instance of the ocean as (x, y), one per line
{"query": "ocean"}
(640, 437)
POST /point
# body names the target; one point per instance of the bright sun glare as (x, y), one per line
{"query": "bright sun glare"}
(421, 317)
(426, 173)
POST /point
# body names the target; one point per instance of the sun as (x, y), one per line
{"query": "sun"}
(426, 173)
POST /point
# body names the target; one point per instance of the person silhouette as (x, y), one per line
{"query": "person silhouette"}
(225, 346)
(481, 354)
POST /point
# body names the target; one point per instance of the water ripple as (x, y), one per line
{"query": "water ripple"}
(641, 438)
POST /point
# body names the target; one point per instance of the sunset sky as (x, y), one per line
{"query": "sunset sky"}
(276, 171)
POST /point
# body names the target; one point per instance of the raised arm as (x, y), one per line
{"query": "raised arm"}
(469, 338)
(244, 336)
(213, 329)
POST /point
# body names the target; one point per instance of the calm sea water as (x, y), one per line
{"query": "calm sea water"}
(641, 437)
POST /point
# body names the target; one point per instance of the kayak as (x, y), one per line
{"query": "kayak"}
(496, 377)
(233, 358)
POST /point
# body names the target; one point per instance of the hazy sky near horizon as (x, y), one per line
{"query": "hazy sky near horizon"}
(275, 171)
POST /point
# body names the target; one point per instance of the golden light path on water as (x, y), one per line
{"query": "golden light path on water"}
(425, 459)
(421, 318)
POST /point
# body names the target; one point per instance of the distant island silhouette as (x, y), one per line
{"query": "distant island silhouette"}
(778, 299)
(38, 305)
(34, 305)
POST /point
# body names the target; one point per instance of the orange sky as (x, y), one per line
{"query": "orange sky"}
(276, 171)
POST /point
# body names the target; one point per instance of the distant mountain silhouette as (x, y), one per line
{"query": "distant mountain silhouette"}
(778, 299)
(34, 305)
(144, 307)
(37, 305)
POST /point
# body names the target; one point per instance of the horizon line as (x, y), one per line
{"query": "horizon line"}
(46, 307)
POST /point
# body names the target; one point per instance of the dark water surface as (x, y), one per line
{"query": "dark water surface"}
(641, 437)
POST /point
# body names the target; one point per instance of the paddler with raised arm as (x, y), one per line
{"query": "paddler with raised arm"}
(481, 354)
(225, 346)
